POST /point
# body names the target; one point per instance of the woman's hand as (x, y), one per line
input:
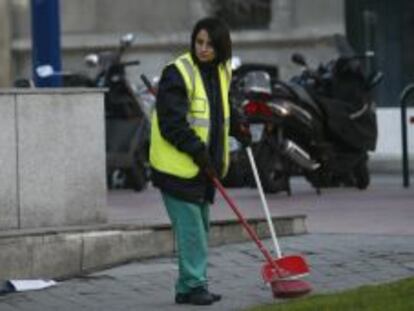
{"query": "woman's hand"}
(203, 161)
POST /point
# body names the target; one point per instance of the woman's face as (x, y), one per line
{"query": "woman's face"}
(203, 47)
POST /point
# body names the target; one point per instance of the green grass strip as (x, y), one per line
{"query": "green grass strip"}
(396, 296)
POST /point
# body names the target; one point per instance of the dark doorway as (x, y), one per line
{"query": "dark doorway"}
(394, 42)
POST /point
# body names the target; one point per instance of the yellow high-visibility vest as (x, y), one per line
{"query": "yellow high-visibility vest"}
(164, 157)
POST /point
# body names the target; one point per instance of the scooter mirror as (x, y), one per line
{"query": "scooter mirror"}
(235, 62)
(299, 59)
(374, 79)
(92, 60)
(45, 71)
(127, 39)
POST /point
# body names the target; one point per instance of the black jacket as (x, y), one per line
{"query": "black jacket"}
(172, 106)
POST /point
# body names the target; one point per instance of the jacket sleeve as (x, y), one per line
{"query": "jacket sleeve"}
(172, 106)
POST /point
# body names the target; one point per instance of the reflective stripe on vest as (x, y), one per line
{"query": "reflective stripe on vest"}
(164, 157)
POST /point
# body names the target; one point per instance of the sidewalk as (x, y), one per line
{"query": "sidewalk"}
(338, 261)
(356, 238)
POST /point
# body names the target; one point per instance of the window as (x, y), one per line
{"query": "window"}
(243, 14)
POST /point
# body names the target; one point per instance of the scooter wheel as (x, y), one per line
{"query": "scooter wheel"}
(361, 174)
(137, 177)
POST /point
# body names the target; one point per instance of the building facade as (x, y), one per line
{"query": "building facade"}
(162, 28)
(268, 31)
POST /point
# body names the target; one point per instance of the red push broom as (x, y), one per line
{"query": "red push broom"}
(294, 262)
(282, 272)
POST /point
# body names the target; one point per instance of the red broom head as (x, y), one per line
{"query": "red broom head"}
(290, 288)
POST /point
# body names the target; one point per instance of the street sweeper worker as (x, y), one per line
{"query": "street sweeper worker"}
(190, 142)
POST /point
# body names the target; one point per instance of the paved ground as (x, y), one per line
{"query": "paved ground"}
(384, 208)
(338, 261)
(356, 238)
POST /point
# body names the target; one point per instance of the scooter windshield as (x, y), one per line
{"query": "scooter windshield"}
(257, 82)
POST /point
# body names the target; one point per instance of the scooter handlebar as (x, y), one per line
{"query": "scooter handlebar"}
(148, 84)
(131, 63)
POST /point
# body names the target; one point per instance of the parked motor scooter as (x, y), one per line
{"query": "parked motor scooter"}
(126, 121)
(338, 97)
(239, 174)
(127, 125)
(277, 155)
(321, 124)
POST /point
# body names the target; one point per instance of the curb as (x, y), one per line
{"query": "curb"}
(59, 253)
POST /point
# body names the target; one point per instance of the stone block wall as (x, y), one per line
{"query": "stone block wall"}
(52, 158)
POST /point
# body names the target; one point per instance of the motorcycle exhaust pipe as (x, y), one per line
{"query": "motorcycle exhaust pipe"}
(299, 156)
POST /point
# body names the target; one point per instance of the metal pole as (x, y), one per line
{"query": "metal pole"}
(46, 40)
(405, 161)
(369, 18)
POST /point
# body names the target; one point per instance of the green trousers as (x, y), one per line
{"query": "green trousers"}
(190, 223)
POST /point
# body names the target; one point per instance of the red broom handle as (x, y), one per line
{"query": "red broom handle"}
(243, 221)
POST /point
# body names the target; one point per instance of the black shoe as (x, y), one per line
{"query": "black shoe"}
(198, 296)
(182, 298)
(216, 297)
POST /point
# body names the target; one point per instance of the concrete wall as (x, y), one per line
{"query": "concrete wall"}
(52, 158)
(163, 30)
(316, 16)
(388, 155)
(155, 53)
(170, 16)
(107, 16)
(8, 160)
(5, 43)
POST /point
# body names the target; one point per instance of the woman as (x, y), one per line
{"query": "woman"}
(189, 143)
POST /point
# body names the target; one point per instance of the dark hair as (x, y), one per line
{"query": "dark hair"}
(219, 34)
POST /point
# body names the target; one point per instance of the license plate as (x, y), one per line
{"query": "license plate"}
(257, 132)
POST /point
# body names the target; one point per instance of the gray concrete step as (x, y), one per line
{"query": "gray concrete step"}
(65, 252)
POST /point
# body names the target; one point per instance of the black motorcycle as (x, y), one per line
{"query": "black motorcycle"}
(321, 124)
(337, 96)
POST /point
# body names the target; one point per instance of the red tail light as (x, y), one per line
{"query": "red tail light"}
(257, 108)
